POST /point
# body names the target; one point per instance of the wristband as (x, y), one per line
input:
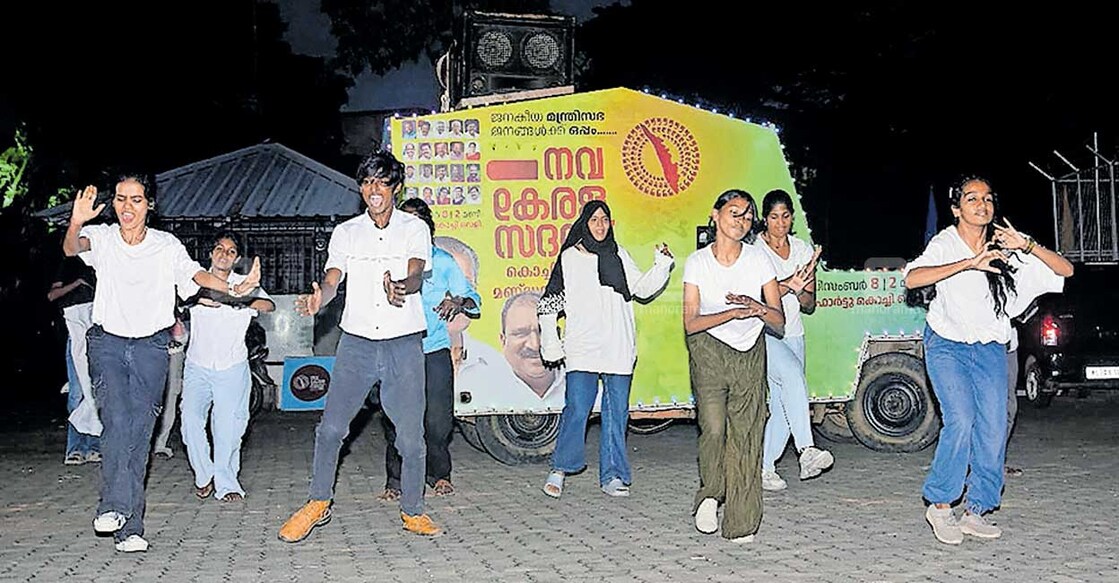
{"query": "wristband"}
(1030, 246)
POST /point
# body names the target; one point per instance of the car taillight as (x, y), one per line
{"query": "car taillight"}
(1050, 331)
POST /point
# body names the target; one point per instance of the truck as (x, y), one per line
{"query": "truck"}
(505, 182)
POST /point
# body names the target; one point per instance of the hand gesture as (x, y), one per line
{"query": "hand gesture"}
(450, 307)
(982, 260)
(1008, 237)
(394, 290)
(750, 307)
(83, 210)
(308, 305)
(252, 280)
(663, 249)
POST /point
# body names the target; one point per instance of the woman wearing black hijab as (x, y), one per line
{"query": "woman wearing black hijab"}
(592, 285)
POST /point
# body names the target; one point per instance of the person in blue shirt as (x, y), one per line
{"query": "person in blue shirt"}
(446, 293)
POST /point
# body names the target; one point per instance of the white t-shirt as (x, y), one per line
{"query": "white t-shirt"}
(746, 276)
(363, 253)
(963, 309)
(135, 295)
(800, 253)
(218, 334)
(599, 334)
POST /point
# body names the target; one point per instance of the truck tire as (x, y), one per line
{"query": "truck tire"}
(518, 439)
(835, 428)
(470, 434)
(1035, 385)
(893, 409)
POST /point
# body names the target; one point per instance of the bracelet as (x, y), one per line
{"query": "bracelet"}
(1030, 246)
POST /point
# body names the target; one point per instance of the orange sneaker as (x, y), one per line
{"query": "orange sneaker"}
(313, 513)
(421, 524)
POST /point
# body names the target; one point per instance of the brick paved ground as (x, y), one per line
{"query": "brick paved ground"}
(860, 522)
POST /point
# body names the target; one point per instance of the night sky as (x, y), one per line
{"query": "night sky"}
(879, 103)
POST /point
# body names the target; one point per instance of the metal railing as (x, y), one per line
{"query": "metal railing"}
(1084, 208)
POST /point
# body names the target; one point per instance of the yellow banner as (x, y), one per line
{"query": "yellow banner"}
(506, 182)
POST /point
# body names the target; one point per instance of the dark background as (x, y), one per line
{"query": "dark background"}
(878, 103)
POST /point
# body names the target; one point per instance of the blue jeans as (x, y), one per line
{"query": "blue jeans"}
(582, 387)
(223, 397)
(76, 441)
(788, 398)
(128, 375)
(970, 383)
(398, 364)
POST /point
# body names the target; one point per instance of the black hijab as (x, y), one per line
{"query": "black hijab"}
(611, 273)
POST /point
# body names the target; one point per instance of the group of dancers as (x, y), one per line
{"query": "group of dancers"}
(744, 296)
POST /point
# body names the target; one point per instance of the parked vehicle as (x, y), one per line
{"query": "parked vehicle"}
(660, 164)
(1070, 341)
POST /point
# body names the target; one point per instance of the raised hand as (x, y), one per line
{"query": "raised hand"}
(394, 290)
(1009, 238)
(663, 249)
(308, 305)
(252, 280)
(83, 210)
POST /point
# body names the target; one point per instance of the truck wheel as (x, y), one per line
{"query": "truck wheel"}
(470, 434)
(835, 428)
(1035, 394)
(893, 408)
(518, 439)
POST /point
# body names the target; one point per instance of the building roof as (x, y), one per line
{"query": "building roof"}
(267, 180)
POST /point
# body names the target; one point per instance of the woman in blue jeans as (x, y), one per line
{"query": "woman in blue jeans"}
(592, 285)
(977, 267)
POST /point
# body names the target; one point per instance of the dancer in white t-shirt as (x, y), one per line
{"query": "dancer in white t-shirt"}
(139, 271)
(730, 297)
(795, 264)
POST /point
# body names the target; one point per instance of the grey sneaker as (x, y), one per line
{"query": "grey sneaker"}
(133, 544)
(706, 516)
(615, 487)
(976, 525)
(108, 522)
(813, 462)
(773, 482)
(944, 524)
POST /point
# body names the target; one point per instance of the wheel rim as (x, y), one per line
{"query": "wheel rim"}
(1033, 384)
(894, 405)
(529, 431)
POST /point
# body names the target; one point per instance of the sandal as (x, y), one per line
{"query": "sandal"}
(615, 487)
(205, 491)
(443, 488)
(232, 497)
(389, 495)
(553, 486)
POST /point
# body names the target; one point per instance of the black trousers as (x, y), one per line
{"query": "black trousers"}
(439, 422)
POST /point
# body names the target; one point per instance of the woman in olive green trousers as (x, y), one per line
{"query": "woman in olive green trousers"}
(730, 297)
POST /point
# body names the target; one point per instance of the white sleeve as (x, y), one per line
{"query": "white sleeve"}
(419, 243)
(934, 255)
(551, 347)
(93, 234)
(338, 252)
(183, 269)
(644, 285)
(692, 269)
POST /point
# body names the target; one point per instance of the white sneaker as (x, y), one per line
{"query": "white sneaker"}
(706, 516)
(743, 539)
(976, 525)
(813, 461)
(133, 544)
(944, 525)
(772, 482)
(108, 522)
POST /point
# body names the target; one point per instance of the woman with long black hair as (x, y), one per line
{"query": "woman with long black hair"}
(976, 266)
(730, 297)
(593, 285)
